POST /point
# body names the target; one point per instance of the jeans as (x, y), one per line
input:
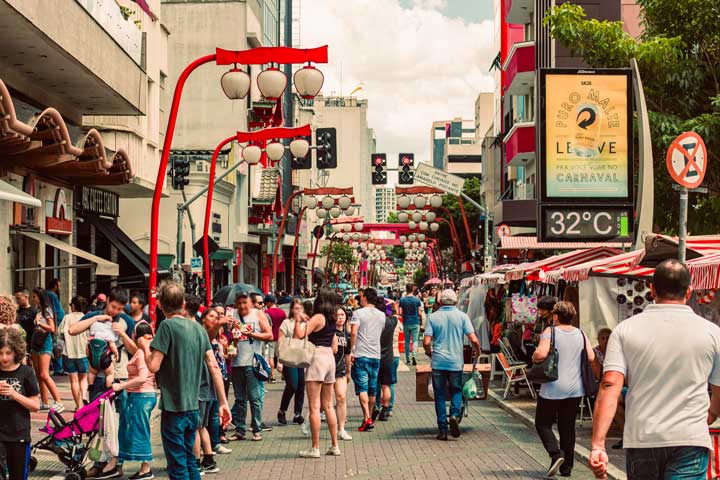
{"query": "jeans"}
(563, 413)
(134, 430)
(396, 363)
(294, 387)
(441, 381)
(364, 375)
(247, 389)
(213, 427)
(178, 438)
(667, 463)
(411, 333)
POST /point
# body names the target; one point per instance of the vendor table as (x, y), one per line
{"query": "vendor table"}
(422, 380)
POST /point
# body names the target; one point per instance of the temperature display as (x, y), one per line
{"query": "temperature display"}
(586, 223)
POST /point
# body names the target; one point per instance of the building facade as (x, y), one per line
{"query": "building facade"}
(454, 148)
(385, 202)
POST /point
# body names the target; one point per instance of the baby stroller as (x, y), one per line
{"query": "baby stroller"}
(70, 441)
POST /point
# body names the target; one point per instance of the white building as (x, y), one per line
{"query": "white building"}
(385, 203)
(454, 148)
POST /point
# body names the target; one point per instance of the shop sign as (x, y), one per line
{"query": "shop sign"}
(58, 223)
(24, 214)
(196, 264)
(238, 255)
(94, 200)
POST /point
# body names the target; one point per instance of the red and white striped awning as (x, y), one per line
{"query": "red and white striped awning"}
(539, 269)
(705, 271)
(619, 263)
(531, 243)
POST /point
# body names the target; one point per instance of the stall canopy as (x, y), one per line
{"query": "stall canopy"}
(538, 270)
(104, 267)
(705, 272)
(531, 243)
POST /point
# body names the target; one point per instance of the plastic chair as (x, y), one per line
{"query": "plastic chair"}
(514, 374)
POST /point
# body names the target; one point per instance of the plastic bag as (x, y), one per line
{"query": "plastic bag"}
(111, 445)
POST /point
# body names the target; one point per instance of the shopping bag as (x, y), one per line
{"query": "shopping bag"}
(111, 445)
(524, 308)
(94, 453)
(713, 471)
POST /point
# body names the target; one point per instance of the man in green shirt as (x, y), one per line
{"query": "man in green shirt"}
(176, 357)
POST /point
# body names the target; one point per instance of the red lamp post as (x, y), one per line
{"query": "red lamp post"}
(256, 56)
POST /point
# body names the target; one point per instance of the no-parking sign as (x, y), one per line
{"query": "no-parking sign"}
(687, 160)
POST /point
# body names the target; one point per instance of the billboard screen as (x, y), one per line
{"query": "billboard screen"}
(586, 135)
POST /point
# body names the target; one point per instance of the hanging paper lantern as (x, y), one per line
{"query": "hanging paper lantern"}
(335, 212)
(403, 201)
(328, 202)
(420, 201)
(299, 148)
(417, 216)
(344, 202)
(412, 225)
(275, 151)
(430, 216)
(308, 81)
(310, 202)
(436, 201)
(251, 154)
(272, 83)
(423, 226)
(321, 213)
(434, 227)
(402, 239)
(403, 217)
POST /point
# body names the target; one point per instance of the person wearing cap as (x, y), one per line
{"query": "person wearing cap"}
(445, 332)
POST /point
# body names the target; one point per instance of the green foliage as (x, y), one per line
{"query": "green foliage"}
(392, 217)
(679, 60)
(397, 252)
(420, 276)
(342, 255)
(472, 190)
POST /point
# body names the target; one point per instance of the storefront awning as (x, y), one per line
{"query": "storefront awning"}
(12, 194)
(537, 270)
(104, 267)
(531, 243)
(222, 254)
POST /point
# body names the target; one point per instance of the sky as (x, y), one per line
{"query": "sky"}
(417, 60)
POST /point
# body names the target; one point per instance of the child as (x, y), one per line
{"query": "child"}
(101, 348)
(19, 395)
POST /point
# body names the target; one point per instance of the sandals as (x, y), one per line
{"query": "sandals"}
(236, 437)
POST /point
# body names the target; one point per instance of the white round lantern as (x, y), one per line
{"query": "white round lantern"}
(415, 244)
(350, 211)
(434, 227)
(402, 239)
(412, 237)
(346, 237)
(308, 81)
(356, 236)
(327, 202)
(299, 148)
(310, 201)
(423, 244)
(347, 227)
(417, 216)
(337, 228)
(423, 226)
(344, 202)
(412, 225)
(403, 201)
(421, 237)
(359, 226)
(420, 201)
(403, 217)
(272, 83)
(335, 212)
(251, 154)
(235, 84)
(365, 236)
(436, 201)
(430, 216)
(321, 213)
(275, 151)
(406, 245)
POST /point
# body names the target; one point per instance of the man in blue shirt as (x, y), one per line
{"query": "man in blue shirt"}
(53, 292)
(444, 334)
(410, 307)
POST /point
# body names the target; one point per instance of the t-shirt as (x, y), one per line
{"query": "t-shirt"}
(75, 345)
(246, 346)
(26, 318)
(668, 355)
(56, 306)
(277, 315)
(386, 340)
(570, 345)
(411, 306)
(448, 327)
(371, 322)
(136, 367)
(343, 340)
(104, 331)
(15, 420)
(184, 343)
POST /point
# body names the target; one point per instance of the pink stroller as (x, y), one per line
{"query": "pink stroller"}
(70, 441)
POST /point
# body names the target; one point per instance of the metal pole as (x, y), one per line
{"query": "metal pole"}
(683, 223)
(292, 256)
(190, 218)
(179, 246)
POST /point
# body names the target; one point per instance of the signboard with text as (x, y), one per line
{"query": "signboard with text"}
(585, 155)
(426, 174)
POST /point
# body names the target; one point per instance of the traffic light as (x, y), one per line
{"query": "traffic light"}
(180, 171)
(378, 164)
(406, 162)
(304, 163)
(326, 143)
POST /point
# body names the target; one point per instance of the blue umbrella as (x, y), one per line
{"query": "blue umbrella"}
(226, 295)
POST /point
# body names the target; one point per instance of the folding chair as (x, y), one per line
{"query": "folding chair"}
(508, 351)
(514, 374)
(585, 401)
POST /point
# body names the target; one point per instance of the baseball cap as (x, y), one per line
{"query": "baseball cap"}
(101, 297)
(270, 299)
(448, 297)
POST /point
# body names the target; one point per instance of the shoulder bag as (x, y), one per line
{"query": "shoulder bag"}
(547, 370)
(261, 368)
(296, 352)
(590, 384)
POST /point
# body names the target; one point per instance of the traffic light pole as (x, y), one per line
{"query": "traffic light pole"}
(486, 237)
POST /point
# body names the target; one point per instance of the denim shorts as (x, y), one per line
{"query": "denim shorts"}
(47, 347)
(364, 374)
(75, 365)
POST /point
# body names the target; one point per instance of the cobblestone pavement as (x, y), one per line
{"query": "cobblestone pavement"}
(494, 444)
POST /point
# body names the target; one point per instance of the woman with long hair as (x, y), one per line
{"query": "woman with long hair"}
(41, 349)
(294, 377)
(342, 370)
(320, 375)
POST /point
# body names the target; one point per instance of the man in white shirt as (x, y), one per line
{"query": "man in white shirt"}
(667, 355)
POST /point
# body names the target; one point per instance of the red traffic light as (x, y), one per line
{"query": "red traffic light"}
(405, 161)
(378, 161)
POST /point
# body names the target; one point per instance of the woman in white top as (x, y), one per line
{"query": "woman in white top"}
(559, 400)
(294, 377)
(75, 351)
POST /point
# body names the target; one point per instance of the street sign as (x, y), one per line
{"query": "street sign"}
(503, 231)
(687, 160)
(430, 176)
(196, 265)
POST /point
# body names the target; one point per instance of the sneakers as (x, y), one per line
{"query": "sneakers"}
(143, 476)
(390, 413)
(333, 451)
(201, 470)
(44, 407)
(555, 467)
(454, 427)
(265, 428)
(442, 436)
(95, 471)
(222, 450)
(366, 426)
(414, 361)
(209, 467)
(281, 418)
(58, 407)
(114, 472)
(343, 435)
(256, 437)
(383, 416)
(305, 428)
(375, 413)
(312, 453)
(298, 419)
(322, 416)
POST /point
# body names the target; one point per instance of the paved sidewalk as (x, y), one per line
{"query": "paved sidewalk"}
(494, 444)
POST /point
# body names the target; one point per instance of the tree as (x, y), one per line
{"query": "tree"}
(392, 218)
(341, 255)
(420, 276)
(472, 190)
(679, 61)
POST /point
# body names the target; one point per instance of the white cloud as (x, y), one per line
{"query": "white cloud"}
(417, 66)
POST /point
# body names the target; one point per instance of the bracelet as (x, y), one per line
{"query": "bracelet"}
(598, 449)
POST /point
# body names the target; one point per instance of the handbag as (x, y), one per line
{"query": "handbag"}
(547, 370)
(38, 338)
(58, 346)
(261, 368)
(590, 385)
(296, 352)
